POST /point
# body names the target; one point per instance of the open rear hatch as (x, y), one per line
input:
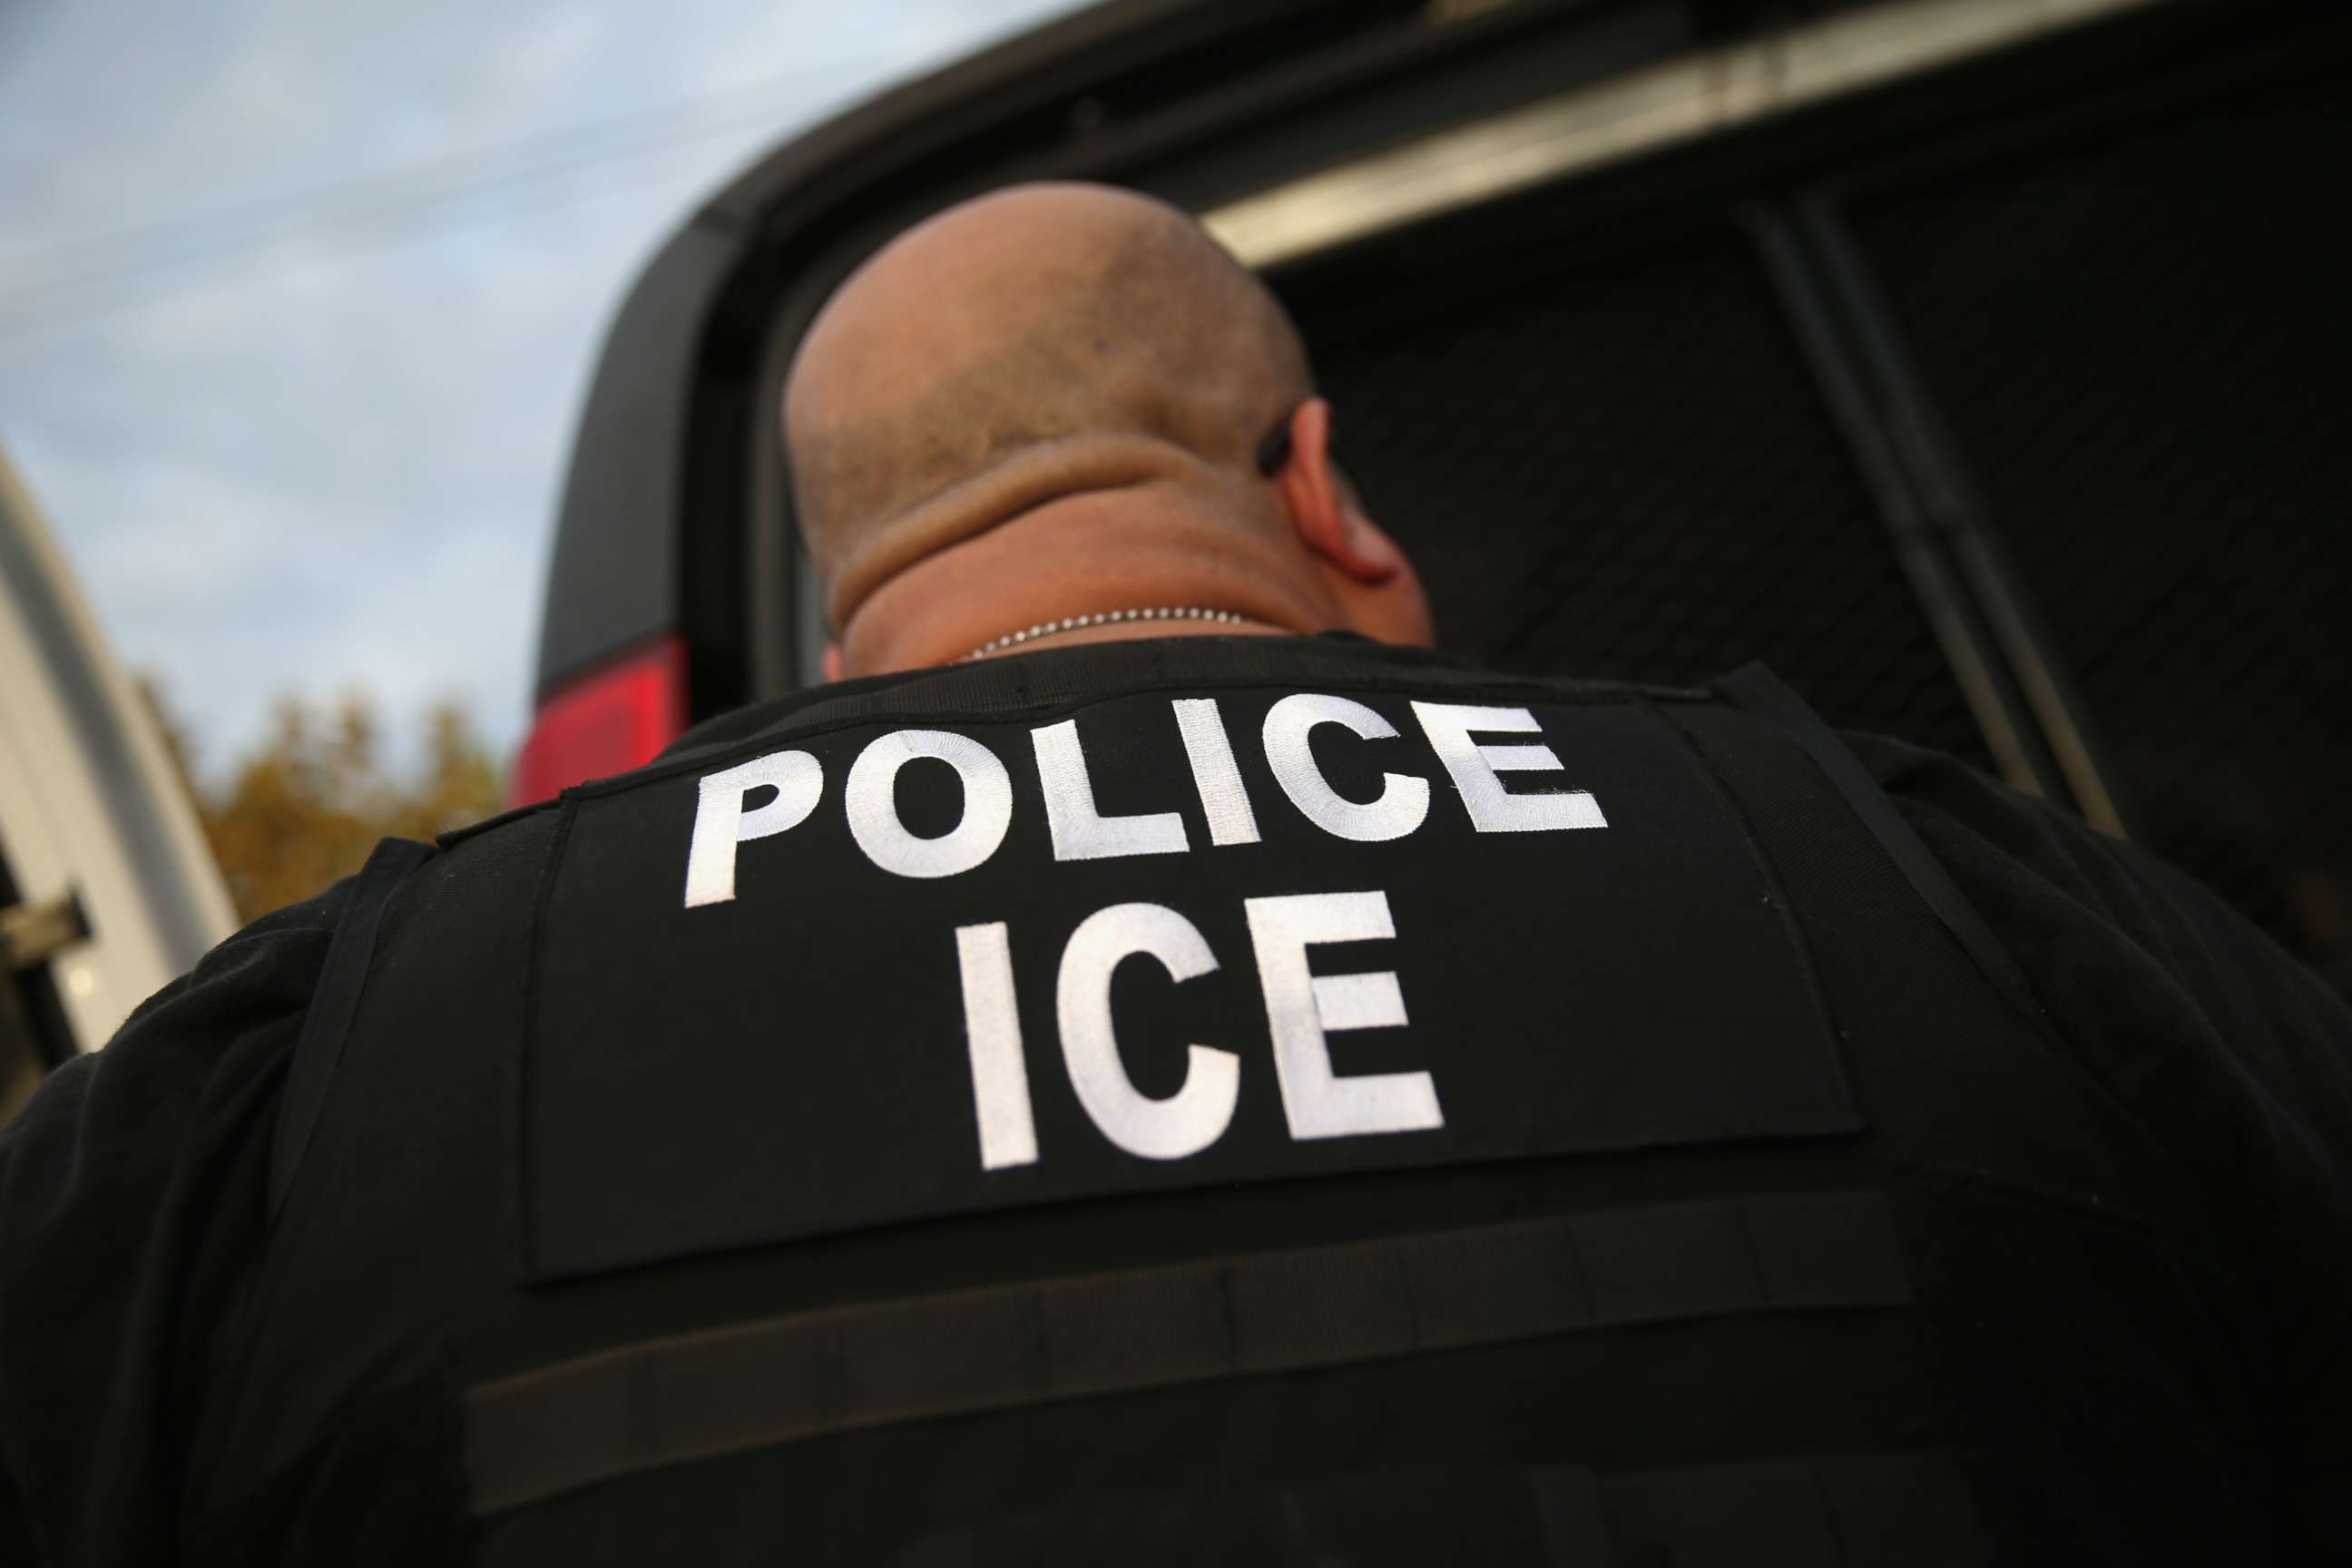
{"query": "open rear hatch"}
(1974, 362)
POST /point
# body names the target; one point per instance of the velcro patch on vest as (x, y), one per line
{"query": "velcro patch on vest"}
(886, 972)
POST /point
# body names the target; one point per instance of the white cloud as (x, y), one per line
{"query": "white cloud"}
(335, 460)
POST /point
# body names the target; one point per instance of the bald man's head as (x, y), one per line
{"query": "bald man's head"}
(1018, 347)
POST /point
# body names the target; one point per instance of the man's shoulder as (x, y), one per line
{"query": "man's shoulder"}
(2012, 848)
(2164, 990)
(127, 1185)
(250, 983)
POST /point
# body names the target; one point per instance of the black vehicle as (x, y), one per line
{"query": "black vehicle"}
(1977, 364)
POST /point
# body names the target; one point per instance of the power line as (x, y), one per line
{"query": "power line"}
(526, 201)
(390, 203)
(280, 204)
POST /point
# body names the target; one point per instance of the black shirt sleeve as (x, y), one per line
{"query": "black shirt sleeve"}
(2233, 1061)
(131, 1199)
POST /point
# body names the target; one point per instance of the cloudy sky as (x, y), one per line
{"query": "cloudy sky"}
(297, 301)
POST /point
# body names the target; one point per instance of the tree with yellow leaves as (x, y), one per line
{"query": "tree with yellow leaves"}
(304, 807)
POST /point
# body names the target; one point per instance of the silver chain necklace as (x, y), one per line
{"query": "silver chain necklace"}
(1108, 618)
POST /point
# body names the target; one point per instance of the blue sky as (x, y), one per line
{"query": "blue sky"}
(297, 301)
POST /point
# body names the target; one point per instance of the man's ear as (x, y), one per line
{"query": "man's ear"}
(1322, 509)
(830, 666)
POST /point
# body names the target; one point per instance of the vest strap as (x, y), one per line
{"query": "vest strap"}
(1915, 1509)
(333, 1006)
(635, 1407)
(1755, 690)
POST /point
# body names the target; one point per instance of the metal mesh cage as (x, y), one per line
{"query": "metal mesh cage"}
(2140, 342)
(1618, 467)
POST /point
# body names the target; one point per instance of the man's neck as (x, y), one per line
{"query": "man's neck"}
(1051, 574)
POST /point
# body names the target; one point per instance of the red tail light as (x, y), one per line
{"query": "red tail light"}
(606, 721)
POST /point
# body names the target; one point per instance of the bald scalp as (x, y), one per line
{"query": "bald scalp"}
(1014, 335)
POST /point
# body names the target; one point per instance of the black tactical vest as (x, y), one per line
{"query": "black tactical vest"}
(1205, 1101)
